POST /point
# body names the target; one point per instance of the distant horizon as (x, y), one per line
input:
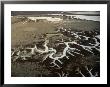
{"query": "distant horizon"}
(93, 13)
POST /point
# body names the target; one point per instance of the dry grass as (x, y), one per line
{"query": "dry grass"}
(29, 32)
(84, 25)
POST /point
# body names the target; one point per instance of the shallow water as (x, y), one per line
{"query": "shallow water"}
(94, 18)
